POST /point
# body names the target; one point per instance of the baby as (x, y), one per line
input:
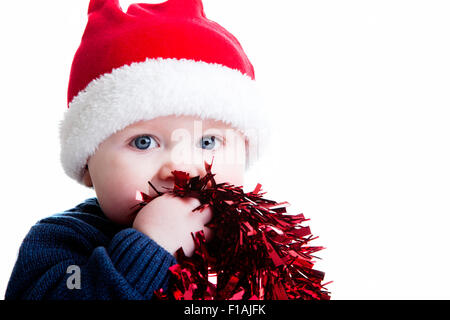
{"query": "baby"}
(156, 89)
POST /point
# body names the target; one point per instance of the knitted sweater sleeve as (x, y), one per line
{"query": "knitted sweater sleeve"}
(129, 265)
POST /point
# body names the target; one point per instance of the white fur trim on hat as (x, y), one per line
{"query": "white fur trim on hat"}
(160, 87)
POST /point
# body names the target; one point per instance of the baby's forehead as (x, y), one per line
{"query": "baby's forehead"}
(173, 122)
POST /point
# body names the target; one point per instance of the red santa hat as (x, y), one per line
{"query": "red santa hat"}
(156, 60)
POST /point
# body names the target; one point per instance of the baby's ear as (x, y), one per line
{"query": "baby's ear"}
(87, 181)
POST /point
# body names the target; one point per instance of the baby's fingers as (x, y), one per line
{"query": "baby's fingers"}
(205, 214)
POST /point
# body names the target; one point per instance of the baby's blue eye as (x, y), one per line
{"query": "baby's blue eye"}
(142, 142)
(208, 142)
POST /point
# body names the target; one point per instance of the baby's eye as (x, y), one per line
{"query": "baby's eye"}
(143, 142)
(209, 142)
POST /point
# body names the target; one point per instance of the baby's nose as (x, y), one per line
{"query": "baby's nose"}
(165, 173)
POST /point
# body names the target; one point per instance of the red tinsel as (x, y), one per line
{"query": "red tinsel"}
(258, 252)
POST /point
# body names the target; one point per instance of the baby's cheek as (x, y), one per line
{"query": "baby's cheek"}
(118, 209)
(117, 163)
(118, 198)
(230, 174)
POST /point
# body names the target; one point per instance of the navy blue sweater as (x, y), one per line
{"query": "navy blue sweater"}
(113, 262)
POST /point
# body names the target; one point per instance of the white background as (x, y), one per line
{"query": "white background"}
(360, 98)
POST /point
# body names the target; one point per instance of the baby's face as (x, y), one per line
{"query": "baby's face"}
(151, 150)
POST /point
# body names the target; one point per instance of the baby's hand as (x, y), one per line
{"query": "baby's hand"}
(169, 221)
